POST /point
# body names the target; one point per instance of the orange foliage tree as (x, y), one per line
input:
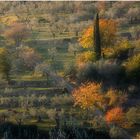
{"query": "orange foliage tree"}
(88, 95)
(108, 29)
(115, 115)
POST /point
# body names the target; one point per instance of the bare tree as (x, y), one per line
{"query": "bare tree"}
(18, 32)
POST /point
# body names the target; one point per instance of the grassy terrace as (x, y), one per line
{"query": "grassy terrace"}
(106, 89)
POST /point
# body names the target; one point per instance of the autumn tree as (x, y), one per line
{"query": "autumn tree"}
(84, 57)
(17, 33)
(88, 96)
(115, 115)
(108, 29)
(5, 65)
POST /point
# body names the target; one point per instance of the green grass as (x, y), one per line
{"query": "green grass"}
(46, 124)
(37, 89)
(2, 110)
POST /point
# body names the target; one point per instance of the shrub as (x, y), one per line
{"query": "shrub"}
(74, 48)
(88, 56)
(8, 90)
(115, 97)
(33, 112)
(42, 112)
(133, 115)
(101, 70)
(61, 100)
(88, 72)
(51, 114)
(121, 50)
(118, 133)
(42, 69)
(42, 20)
(107, 52)
(133, 68)
(4, 116)
(110, 71)
(70, 72)
(99, 123)
(138, 135)
(115, 115)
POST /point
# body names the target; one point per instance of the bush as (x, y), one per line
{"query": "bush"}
(61, 100)
(8, 90)
(88, 56)
(70, 72)
(74, 48)
(133, 68)
(99, 123)
(110, 71)
(118, 133)
(121, 50)
(42, 20)
(88, 72)
(115, 98)
(133, 115)
(51, 114)
(101, 70)
(33, 112)
(115, 116)
(138, 135)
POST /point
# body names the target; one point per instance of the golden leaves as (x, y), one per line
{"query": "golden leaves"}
(87, 95)
(8, 20)
(108, 29)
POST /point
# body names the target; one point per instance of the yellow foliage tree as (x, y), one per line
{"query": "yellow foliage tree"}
(8, 20)
(88, 96)
(87, 56)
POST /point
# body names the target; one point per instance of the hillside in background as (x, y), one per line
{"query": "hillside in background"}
(70, 69)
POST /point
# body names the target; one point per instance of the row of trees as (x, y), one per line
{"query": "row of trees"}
(16, 56)
(90, 96)
(77, 14)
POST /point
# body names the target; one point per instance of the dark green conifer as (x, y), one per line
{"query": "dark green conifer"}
(97, 40)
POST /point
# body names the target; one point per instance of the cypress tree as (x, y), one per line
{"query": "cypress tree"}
(97, 40)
